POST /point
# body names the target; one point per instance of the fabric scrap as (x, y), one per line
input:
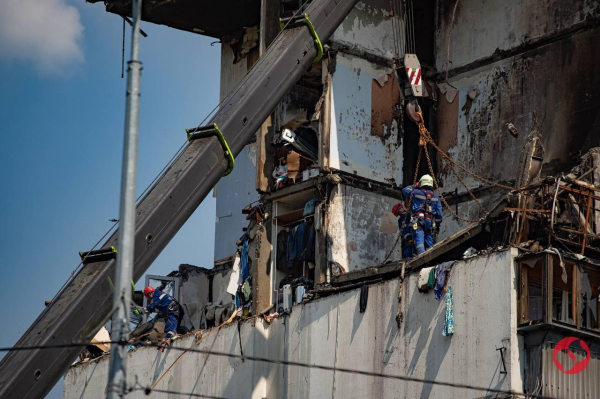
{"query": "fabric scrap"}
(291, 248)
(440, 278)
(309, 207)
(245, 269)
(431, 281)
(282, 243)
(364, 297)
(422, 282)
(308, 243)
(246, 290)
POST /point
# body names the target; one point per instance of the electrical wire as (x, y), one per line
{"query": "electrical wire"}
(149, 391)
(298, 364)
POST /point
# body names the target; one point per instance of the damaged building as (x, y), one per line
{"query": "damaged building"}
(310, 267)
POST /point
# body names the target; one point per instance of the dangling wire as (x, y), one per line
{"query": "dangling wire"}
(395, 28)
(407, 25)
(412, 26)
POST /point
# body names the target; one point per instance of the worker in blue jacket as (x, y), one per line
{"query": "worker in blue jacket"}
(166, 307)
(408, 244)
(426, 213)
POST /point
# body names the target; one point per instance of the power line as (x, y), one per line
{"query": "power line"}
(297, 364)
(149, 391)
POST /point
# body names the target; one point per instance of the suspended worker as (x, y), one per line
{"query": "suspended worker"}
(408, 244)
(168, 308)
(426, 213)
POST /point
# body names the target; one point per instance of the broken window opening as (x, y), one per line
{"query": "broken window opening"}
(562, 294)
(295, 149)
(590, 295)
(558, 292)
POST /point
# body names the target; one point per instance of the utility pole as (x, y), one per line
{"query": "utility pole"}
(117, 378)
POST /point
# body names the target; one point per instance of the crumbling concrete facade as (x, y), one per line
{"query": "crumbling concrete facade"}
(332, 332)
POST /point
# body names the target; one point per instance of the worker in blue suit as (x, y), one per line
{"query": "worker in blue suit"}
(166, 307)
(426, 213)
(408, 244)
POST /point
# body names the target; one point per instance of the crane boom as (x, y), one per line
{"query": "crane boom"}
(84, 304)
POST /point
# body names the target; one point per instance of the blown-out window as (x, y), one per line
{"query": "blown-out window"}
(558, 290)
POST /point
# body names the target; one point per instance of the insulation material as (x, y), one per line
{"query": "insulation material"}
(356, 145)
(102, 336)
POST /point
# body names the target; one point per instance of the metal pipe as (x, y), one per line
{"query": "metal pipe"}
(117, 378)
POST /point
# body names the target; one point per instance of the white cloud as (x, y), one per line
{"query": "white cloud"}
(46, 33)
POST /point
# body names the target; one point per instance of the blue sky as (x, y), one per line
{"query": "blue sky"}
(62, 108)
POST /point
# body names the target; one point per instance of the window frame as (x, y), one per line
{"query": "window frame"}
(548, 263)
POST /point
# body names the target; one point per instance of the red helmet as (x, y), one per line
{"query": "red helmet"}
(148, 290)
(397, 209)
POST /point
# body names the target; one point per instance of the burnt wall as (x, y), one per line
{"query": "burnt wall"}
(558, 83)
(522, 63)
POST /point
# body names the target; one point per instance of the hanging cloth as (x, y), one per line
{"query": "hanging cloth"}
(440, 278)
(282, 243)
(245, 269)
(448, 328)
(364, 297)
(291, 248)
(308, 242)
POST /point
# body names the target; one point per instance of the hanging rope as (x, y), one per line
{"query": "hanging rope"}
(408, 206)
(426, 137)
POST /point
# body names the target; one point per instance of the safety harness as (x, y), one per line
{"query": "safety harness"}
(173, 306)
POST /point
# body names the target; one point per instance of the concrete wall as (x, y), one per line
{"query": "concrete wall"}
(359, 145)
(518, 59)
(360, 228)
(332, 332)
(484, 28)
(237, 190)
(367, 29)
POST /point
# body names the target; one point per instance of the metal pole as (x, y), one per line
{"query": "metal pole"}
(117, 378)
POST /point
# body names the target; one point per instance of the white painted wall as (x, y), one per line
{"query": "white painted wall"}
(332, 332)
(353, 148)
(361, 228)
